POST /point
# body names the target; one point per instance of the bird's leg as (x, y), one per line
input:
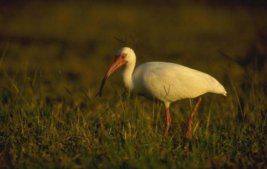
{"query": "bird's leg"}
(168, 121)
(189, 121)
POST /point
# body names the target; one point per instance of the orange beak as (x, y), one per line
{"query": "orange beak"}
(118, 62)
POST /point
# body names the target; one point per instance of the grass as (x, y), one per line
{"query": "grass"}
(49, 119)
(126, 132)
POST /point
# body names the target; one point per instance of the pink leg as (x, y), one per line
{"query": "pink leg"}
(167, 122)
(189, 121)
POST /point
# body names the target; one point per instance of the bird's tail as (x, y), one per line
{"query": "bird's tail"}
(219, 89)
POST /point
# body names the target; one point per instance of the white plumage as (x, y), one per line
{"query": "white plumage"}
(170, 82)
(167, 82)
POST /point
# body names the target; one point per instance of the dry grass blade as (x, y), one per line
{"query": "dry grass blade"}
(3, 54)
(122, 41)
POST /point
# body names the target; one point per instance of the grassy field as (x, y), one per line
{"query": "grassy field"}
(53, 56)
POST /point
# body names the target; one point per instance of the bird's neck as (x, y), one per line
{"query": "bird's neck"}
(127, 72)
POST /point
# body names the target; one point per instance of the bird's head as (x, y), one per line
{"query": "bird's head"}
(123, 56)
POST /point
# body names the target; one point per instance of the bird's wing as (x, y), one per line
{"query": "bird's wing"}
(171, 82)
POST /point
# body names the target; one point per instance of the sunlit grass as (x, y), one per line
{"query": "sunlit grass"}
(124, 131)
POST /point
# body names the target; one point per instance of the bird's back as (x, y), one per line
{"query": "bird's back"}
(170, 82)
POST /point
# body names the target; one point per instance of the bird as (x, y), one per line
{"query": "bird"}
(163, 81)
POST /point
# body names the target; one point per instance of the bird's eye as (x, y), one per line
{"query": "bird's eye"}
(123, 56)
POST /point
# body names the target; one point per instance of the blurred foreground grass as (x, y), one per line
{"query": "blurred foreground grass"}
(54, 55)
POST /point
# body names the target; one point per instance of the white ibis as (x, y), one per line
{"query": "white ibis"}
(167, 82)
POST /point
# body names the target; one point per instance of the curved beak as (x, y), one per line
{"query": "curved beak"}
(118, 62)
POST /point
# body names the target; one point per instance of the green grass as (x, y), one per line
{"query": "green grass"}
(50, 119)
(123, 132)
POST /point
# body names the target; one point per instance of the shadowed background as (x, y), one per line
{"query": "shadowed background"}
(77, 38)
